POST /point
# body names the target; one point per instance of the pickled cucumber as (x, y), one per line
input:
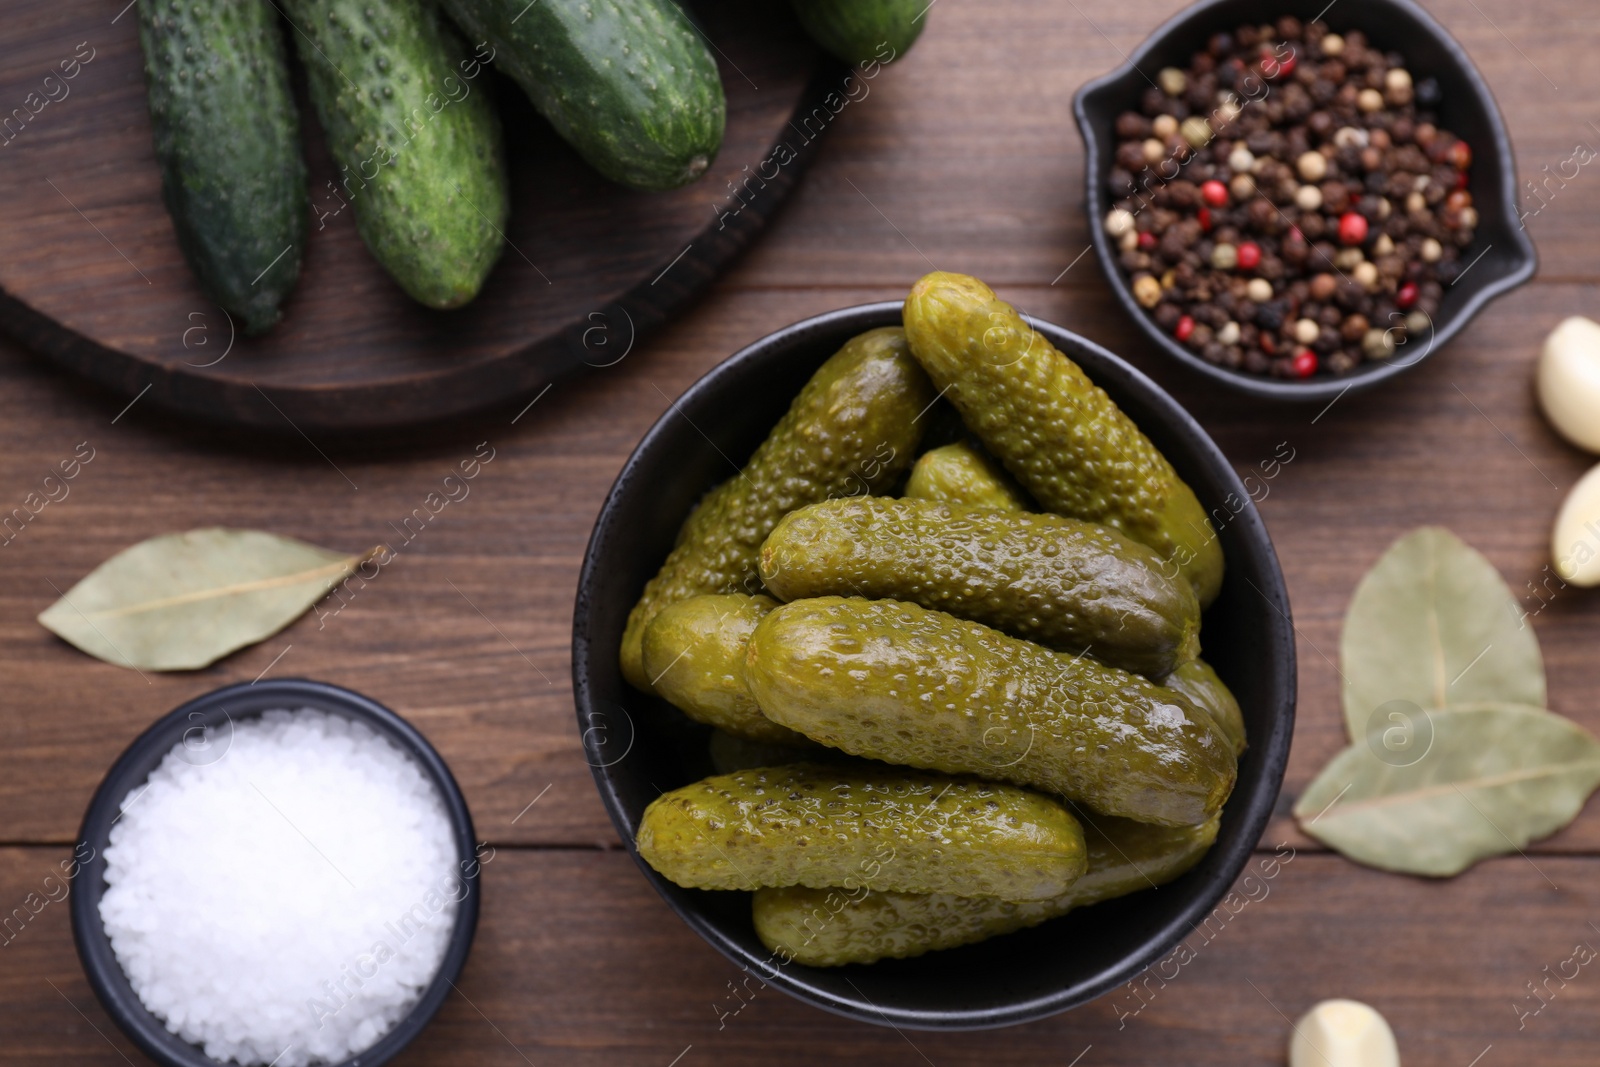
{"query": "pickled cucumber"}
(830, 927)
(1073, 586)
(694, 654)
(1059, 434)
(896, 682)
(852, 430)
(809, 824)
(962, 474)
(1197, 681)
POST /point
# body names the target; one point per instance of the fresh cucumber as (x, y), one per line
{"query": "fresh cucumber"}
(630, 84)
(862, 32)
(416, 138)
(227, 138)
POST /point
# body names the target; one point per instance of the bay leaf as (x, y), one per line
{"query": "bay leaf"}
(1432, 624)
(1492, 778)
(182, 601)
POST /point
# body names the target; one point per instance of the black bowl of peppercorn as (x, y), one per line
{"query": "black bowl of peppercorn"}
(1301, 208)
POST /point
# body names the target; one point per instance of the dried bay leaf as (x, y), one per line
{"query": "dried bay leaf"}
(1493, 778)
(182, 601)
(1434, 625)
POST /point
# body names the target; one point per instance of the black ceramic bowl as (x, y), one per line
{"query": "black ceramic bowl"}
(204, 726)
(639, 746)
(1468, 110)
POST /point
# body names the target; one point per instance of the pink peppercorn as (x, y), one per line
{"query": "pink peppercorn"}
(1273, 66)
(1406, 296)
(1249, 256)
(1184, 328)
(1147, 241)
(1204, 218)
(1304, 364)
(1352, 228)
(1214, 193)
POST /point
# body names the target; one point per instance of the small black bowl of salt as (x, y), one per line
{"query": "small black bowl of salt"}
(279, 873)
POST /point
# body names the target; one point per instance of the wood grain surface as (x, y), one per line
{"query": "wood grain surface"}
(963, 156)
(91, 272)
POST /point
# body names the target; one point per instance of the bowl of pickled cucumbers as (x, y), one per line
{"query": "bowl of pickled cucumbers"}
(934, 663)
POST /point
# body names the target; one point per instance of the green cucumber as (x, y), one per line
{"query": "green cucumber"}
(1068, 443)
(1066, 584)
(1197, 681)
(415, 136)
(830, 927)
(228, 140)
(850, 824)
(892, 681)
(852, 429)
(694, 653)
(963, 473)
(630, 84)
(862, 32)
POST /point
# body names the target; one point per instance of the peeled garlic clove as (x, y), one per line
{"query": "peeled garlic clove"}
(1575, 544)
(1569, 381)
(1342, 1033)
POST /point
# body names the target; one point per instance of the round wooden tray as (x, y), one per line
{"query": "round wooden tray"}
(91, 274)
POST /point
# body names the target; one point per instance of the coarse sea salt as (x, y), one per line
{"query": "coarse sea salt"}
(282, 893)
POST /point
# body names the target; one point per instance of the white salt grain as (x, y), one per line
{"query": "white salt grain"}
(287, 900)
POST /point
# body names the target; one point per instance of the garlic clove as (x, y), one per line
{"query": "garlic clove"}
(1569, 381)
(1575, 543)
(1343, 1033)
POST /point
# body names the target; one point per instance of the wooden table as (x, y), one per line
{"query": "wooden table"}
(963, 157)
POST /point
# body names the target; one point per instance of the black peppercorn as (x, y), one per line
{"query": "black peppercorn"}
(1131, 125)
(1242, 278)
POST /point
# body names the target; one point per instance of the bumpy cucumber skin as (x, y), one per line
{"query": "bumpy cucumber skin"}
(694, 653)
(1070, 585)
(628, 83)
(1197, 681)
(863, 31)
(416, 138)
(961, 474)
(832, 927)
(227, 137)
(1055, 430)
(896, 682)
(852, 430)
(817, 825)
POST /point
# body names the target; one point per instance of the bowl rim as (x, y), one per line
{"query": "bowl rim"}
(1272, 750)
(234, 703)
(1525, 263)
